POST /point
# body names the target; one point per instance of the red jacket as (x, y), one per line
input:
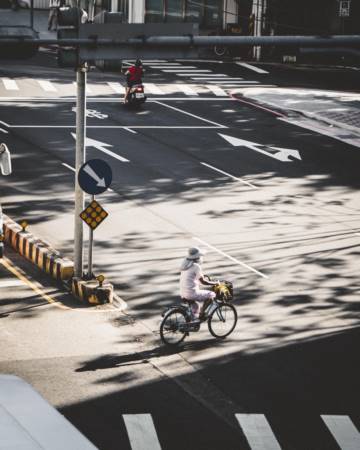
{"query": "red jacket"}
(134, 73)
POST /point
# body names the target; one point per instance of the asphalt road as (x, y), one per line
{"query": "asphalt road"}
(283, 226)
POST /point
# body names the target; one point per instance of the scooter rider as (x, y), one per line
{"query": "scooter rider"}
(134, 76)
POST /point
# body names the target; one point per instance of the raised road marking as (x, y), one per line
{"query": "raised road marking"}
(10, 85)
(228, 175)
(153, 89)
(344, 431)
(47, 85)
(251, 67)
(117, 87)
(190, 114)
(258, 432)
(141, 432)
(231, 258)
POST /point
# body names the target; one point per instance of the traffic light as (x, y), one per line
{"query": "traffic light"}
(69, 19)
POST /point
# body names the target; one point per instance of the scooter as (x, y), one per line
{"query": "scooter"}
(136, 96)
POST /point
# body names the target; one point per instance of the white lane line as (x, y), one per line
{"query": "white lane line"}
(258, 432)
(344, 431)
(68, 167)
(73, 170)
(229, 175)
(4, 131)
(141, 432)
(4, 123)
(11, 283)
(251, 67)
(10, 85)
(122, 127)
(186, 70)
(170, 67)
(192, 74)
(117, 87)
(231, 83)
(47, 85)
(88, 88)
(106, 99)
(130, 130)
(216, 90)
(186, 89)
(153, 89)
(211, 75)
(231, 258)
(190, 114)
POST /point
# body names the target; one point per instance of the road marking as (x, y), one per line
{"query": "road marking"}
(191, 74)
(215, 79)
(255, 105)
(102, 147)
(88, 88)
(210, 75)
(173, 68)
(191, 71)
(10, 85)
(189, 114)
(344, 431)
(258, 432)
(4, 123)
(11, 268)
(4, 131)
(216, 90)
(233, 81)
(153, 89)
(103, 99)
(122, 127)
(251, 67)
(231, 258)
(47, 85)
(141, 432)
(117, 87)
(188, 90)
(229, 175)
(11, 283)
(130, 130)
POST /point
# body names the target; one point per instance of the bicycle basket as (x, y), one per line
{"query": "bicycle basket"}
(224, 291)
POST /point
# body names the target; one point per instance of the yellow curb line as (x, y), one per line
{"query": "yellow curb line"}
(9, 266)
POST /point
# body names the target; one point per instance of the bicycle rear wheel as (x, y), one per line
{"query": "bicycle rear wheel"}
(173, 327)
(222, 321)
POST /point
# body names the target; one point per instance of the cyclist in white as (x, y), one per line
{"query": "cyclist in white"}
(190, 278)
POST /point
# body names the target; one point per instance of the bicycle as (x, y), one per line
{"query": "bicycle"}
(221, 317)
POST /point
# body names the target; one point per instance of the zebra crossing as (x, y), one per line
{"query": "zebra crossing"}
(191, 82)
(255, 427)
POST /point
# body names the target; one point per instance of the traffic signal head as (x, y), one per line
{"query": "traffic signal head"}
(68, 28)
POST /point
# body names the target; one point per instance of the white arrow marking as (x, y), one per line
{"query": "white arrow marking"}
(100, 181)
(282, 154)
(102, 147)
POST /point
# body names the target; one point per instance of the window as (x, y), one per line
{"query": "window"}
(154, 11)
(174, 10)
(192, 13)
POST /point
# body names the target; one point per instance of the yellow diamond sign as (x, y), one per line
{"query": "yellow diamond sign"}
(93, 214)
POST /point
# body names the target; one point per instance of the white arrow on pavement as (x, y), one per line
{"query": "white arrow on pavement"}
(102, 147)
(282, 154)
(100, 181)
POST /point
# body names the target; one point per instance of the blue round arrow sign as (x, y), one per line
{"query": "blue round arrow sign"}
(95, 176)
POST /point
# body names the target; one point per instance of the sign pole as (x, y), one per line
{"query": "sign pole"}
(79, 161)
(91, 244)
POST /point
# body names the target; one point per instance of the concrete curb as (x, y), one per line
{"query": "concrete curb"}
(51, 262)
(91, 292)
(291, 112)
(37, 251)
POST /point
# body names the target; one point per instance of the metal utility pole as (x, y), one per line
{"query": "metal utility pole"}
(81, 75)
(257, 11)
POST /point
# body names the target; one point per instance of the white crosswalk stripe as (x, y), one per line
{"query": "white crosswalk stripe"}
(251, 67)
(88, 88)
(217, 90)
(344, 431)
(153, 89)
(141, 432)
(10, 85)
(258, 432)
(47, 85)
(116, 87)
(186, 89)
(185, 71)
(162, 67)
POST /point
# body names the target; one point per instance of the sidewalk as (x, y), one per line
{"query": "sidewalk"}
(340, 109)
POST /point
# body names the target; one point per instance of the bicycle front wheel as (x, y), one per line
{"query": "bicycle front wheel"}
(173, 327)
(222, 321)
